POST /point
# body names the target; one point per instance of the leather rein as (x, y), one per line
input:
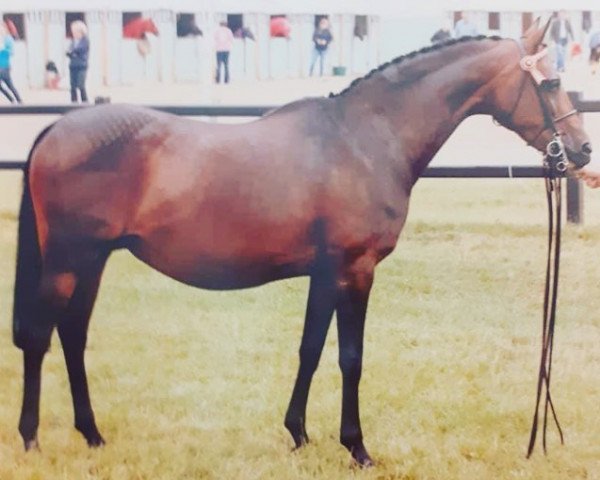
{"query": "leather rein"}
(555, 164)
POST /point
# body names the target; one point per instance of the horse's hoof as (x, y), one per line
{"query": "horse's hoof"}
(298, 433)
(95, 441)
(361, 458)
(90, 432)
(32, 445)
(366, 462)
(299, 442)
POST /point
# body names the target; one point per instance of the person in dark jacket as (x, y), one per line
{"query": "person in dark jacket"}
(560, 32)
(321, 38)
(78, 54)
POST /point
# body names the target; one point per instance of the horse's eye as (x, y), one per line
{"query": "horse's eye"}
(550, 85)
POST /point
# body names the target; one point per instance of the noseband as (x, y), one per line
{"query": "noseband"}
(528, 64)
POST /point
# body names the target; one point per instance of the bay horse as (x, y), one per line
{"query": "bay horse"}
(319, 187)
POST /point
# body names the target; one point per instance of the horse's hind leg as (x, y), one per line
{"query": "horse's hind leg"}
(29, 421)
(72, 330)
(47, 302)
(319, 311)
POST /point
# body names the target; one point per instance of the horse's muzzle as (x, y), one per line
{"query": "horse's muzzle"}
(582, 158)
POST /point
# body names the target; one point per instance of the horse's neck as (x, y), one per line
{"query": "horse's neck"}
(413, 108)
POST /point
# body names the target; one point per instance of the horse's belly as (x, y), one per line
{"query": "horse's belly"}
(235, 277)
(201, 268)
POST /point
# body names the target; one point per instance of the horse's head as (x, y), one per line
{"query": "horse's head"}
(529, 99)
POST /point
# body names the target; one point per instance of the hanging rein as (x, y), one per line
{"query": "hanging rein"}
(555, 167)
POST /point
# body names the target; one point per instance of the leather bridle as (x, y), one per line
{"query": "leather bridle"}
(528, 64)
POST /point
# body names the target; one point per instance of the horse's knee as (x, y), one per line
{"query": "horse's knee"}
(350, 363)
(33, 336)
(309, 359)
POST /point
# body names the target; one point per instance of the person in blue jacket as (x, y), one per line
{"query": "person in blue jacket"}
(78, 53)
(6, 51)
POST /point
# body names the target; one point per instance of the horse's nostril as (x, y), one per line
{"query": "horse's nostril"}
(586, 148)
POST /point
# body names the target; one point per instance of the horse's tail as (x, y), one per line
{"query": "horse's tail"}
(29, 262)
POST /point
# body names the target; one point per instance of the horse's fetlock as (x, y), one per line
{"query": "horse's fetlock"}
(28, 426)
(293, 423)
(351, 438)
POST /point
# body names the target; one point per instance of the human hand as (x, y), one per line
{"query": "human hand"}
(590, 177)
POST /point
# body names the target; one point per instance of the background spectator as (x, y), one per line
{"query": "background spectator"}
(595, 51)
(6, 51)
(321, 38)
(223, 45)
(78, 54)
(464, 27)
(52, 75)
(560, 32)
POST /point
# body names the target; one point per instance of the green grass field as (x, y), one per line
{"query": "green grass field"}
(192, 384)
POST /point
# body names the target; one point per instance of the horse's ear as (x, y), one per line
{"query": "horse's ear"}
(534, 35)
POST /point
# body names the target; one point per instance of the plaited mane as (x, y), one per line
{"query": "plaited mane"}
(412, 55)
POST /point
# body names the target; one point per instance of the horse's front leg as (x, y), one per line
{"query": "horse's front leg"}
(319, 311)
(351, 313)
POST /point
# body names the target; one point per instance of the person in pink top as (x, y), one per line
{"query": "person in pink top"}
(223, 44)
